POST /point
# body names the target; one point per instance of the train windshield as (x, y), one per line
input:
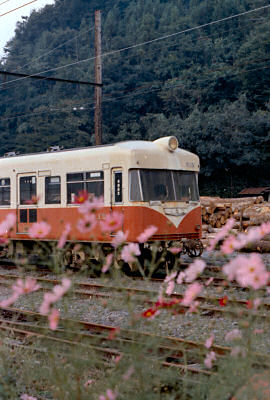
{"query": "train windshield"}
(163, 185)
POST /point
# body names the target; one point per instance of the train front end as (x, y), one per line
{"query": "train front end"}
(163, 192)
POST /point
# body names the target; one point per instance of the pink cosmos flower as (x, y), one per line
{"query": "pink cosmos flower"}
(108, 263)
(9, 301)
(88, 383)
(54, 296)
(174, 250)
(193, 307)
(195, 269)
(146, 234)
(256, 303)
(48, 299)
(251, 271)
(209, 341)
(64, 235)
(91, 206)
(39, 230)
(210, 357)
(87, 224)
(60, 290)
(170, 288)
(110, 395)
(128, 374)
(233, 335)
(191, 293)
(23, 287)
(170, 277)
(230, 268)
(180, 278)
(221, 234)
(119, 238)
(209, 281)
(242, 240)
(228, 245)
(27, 397)
(265, 228)
(112, 222)
(130, 251)
(20, 288)
(53, 318)
(7, 224)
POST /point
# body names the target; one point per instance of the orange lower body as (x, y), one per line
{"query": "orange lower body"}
(136, 220)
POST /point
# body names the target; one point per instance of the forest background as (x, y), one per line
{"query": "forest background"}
(209, 86)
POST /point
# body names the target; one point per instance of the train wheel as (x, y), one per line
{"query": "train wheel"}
(193, 247)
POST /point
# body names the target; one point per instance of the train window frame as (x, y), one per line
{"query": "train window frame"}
(50, 196)
(32, 188)
(137, 187)
(5, 188)
(83, 181)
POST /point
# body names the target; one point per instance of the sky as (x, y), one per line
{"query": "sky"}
(8, 21)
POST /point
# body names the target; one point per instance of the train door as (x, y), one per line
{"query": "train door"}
(117, 186)
(27, 201)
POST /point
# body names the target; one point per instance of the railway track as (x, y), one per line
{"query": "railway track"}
(210, 305)
(184, 355)
(96, 337)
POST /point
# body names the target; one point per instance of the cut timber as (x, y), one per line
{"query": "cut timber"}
(262, 246)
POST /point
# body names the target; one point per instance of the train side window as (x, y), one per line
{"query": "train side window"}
(4, 191)
(92, 182)
(33, 215)
(52, 190)
(28, 188)
(23, 216)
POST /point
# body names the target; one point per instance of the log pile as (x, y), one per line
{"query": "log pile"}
(247, 212)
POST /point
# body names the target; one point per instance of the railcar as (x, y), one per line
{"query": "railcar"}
(150, 183)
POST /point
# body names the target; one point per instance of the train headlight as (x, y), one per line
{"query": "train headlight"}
(169, 142)
(173, 143)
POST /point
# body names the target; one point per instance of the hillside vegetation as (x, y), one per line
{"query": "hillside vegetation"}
(208, 86)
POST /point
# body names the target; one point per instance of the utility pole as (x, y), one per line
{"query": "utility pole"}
(98, 79)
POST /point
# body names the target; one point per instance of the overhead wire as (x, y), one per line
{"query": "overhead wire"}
(17, 8)
(57, 47)
(86, 106)
(206, 37)
(3, 2)
(146, 42)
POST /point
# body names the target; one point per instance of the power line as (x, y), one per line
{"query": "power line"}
(207, 37)
(47, 78)
(112, 99)
(149, 41)
(3, 2)
(55, 48)
(17, 8)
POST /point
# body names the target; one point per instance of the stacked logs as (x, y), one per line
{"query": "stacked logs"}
(247, 212)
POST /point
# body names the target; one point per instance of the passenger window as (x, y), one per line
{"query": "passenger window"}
(92, 182)
(28, 188)
(5, 191)
(23, 216)
(52, 190)
(33, 215)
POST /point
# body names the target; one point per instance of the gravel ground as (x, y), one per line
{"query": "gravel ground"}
(121, 311)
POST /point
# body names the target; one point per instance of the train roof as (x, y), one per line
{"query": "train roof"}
(133, 153)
